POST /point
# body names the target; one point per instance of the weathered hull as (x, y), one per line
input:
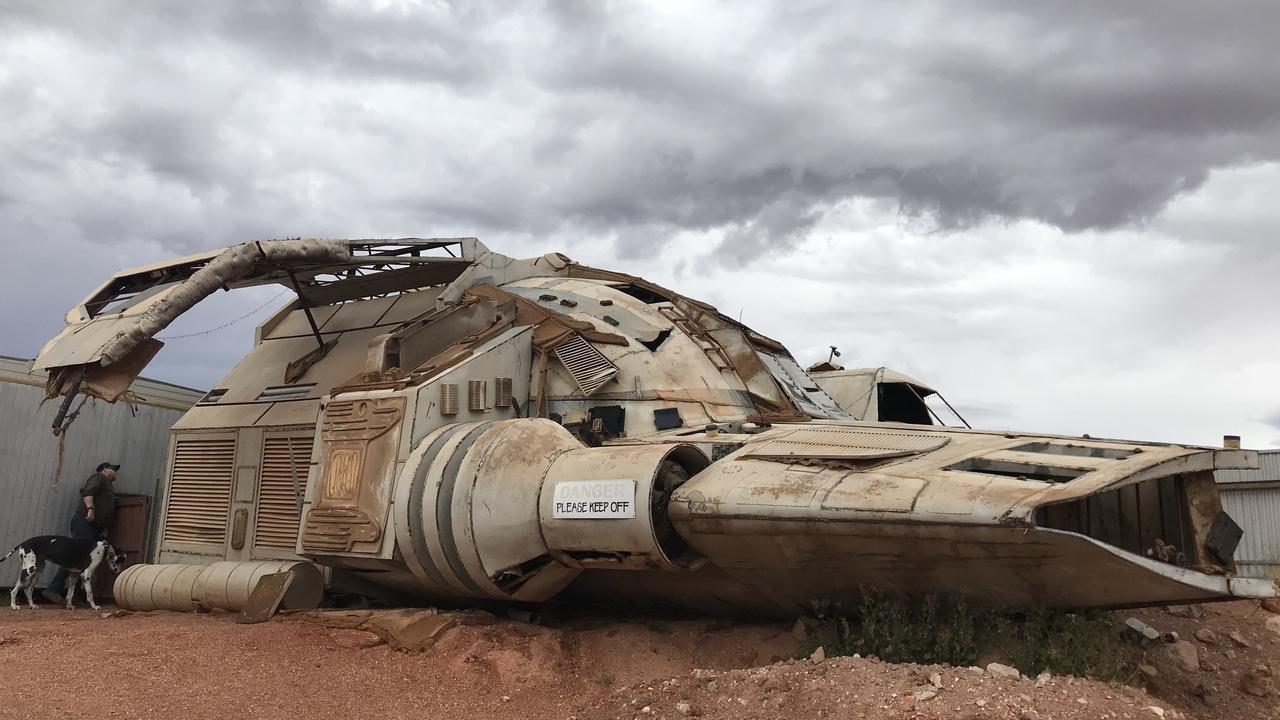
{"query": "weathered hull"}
(440, 423)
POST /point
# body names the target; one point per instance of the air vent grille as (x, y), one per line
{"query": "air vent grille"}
(286, 392)
(502, 392)
(477, 393)
(588, 366)
(448, 399)
(277, 523)
(200, 491)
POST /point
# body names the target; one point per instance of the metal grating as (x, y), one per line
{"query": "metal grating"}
(588, 366)
(276, 526)
(200, 491)
(448, 399)
(502, 392)
(477, 393)
(850, 444)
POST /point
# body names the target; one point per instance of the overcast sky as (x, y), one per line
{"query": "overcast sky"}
(1064, 216)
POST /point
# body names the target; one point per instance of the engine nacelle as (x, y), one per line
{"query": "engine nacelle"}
(515, 509)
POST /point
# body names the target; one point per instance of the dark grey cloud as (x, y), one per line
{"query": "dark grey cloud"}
(604, 118)
(968, 191)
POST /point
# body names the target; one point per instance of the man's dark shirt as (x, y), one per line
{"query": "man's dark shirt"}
(104, 500)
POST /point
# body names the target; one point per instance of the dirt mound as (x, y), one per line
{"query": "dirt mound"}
(860, 687)
(1224, 664)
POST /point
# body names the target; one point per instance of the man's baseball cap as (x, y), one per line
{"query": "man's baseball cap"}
(104, 466)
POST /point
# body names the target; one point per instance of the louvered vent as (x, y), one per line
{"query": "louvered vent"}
(448, 399)
(588, 366)
(476, 392)
(502, 392)
(200, 491)
(277, 523)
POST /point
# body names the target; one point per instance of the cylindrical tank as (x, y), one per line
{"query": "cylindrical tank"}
(227, 585)
(158, 587)
(222, 585)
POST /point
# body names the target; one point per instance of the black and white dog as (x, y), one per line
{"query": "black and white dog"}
(81, 557)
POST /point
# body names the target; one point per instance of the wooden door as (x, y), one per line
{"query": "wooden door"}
(128, 535)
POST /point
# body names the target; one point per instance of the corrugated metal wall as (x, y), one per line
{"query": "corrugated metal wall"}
(1258, 512)
(33, 504)
(1252, 499)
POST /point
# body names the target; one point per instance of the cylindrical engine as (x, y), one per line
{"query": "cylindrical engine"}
(607, 507)
(512, 509)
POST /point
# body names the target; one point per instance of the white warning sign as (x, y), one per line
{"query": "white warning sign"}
(593, 499)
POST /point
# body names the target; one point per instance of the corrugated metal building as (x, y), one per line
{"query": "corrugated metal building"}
(134, 434)
(1252, 499)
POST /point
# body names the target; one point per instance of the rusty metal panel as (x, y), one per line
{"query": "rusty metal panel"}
(200, 490)
(352, 496)
(874, 493)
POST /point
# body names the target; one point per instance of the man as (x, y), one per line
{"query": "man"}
(94, 514)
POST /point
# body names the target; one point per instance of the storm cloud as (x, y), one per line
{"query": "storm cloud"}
(1060, 186)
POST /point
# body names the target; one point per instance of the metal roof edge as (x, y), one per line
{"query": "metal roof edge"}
(144, 391)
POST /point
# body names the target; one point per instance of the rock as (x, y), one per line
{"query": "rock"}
(819, 655)
(1082, 701)
(1003, 671)
(1238, 639)
(928, 692)
(935, 680)
(1028, 714)
(1184, 655)
(1149, 672)
(1207, 636)
(1208, 694)
(1156, 710)
(1043, 679)
(799, 631)
(774, 684)
(1257, 683)
(1271, 605)
(1186, 611)
(684, 708)
(1273, 624)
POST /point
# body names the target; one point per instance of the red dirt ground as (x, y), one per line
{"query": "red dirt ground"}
(79, 664)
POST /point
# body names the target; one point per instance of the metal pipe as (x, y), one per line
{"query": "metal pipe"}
(306, 309)
(66, 403)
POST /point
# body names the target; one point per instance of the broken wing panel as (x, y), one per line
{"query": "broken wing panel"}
(108, 340)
